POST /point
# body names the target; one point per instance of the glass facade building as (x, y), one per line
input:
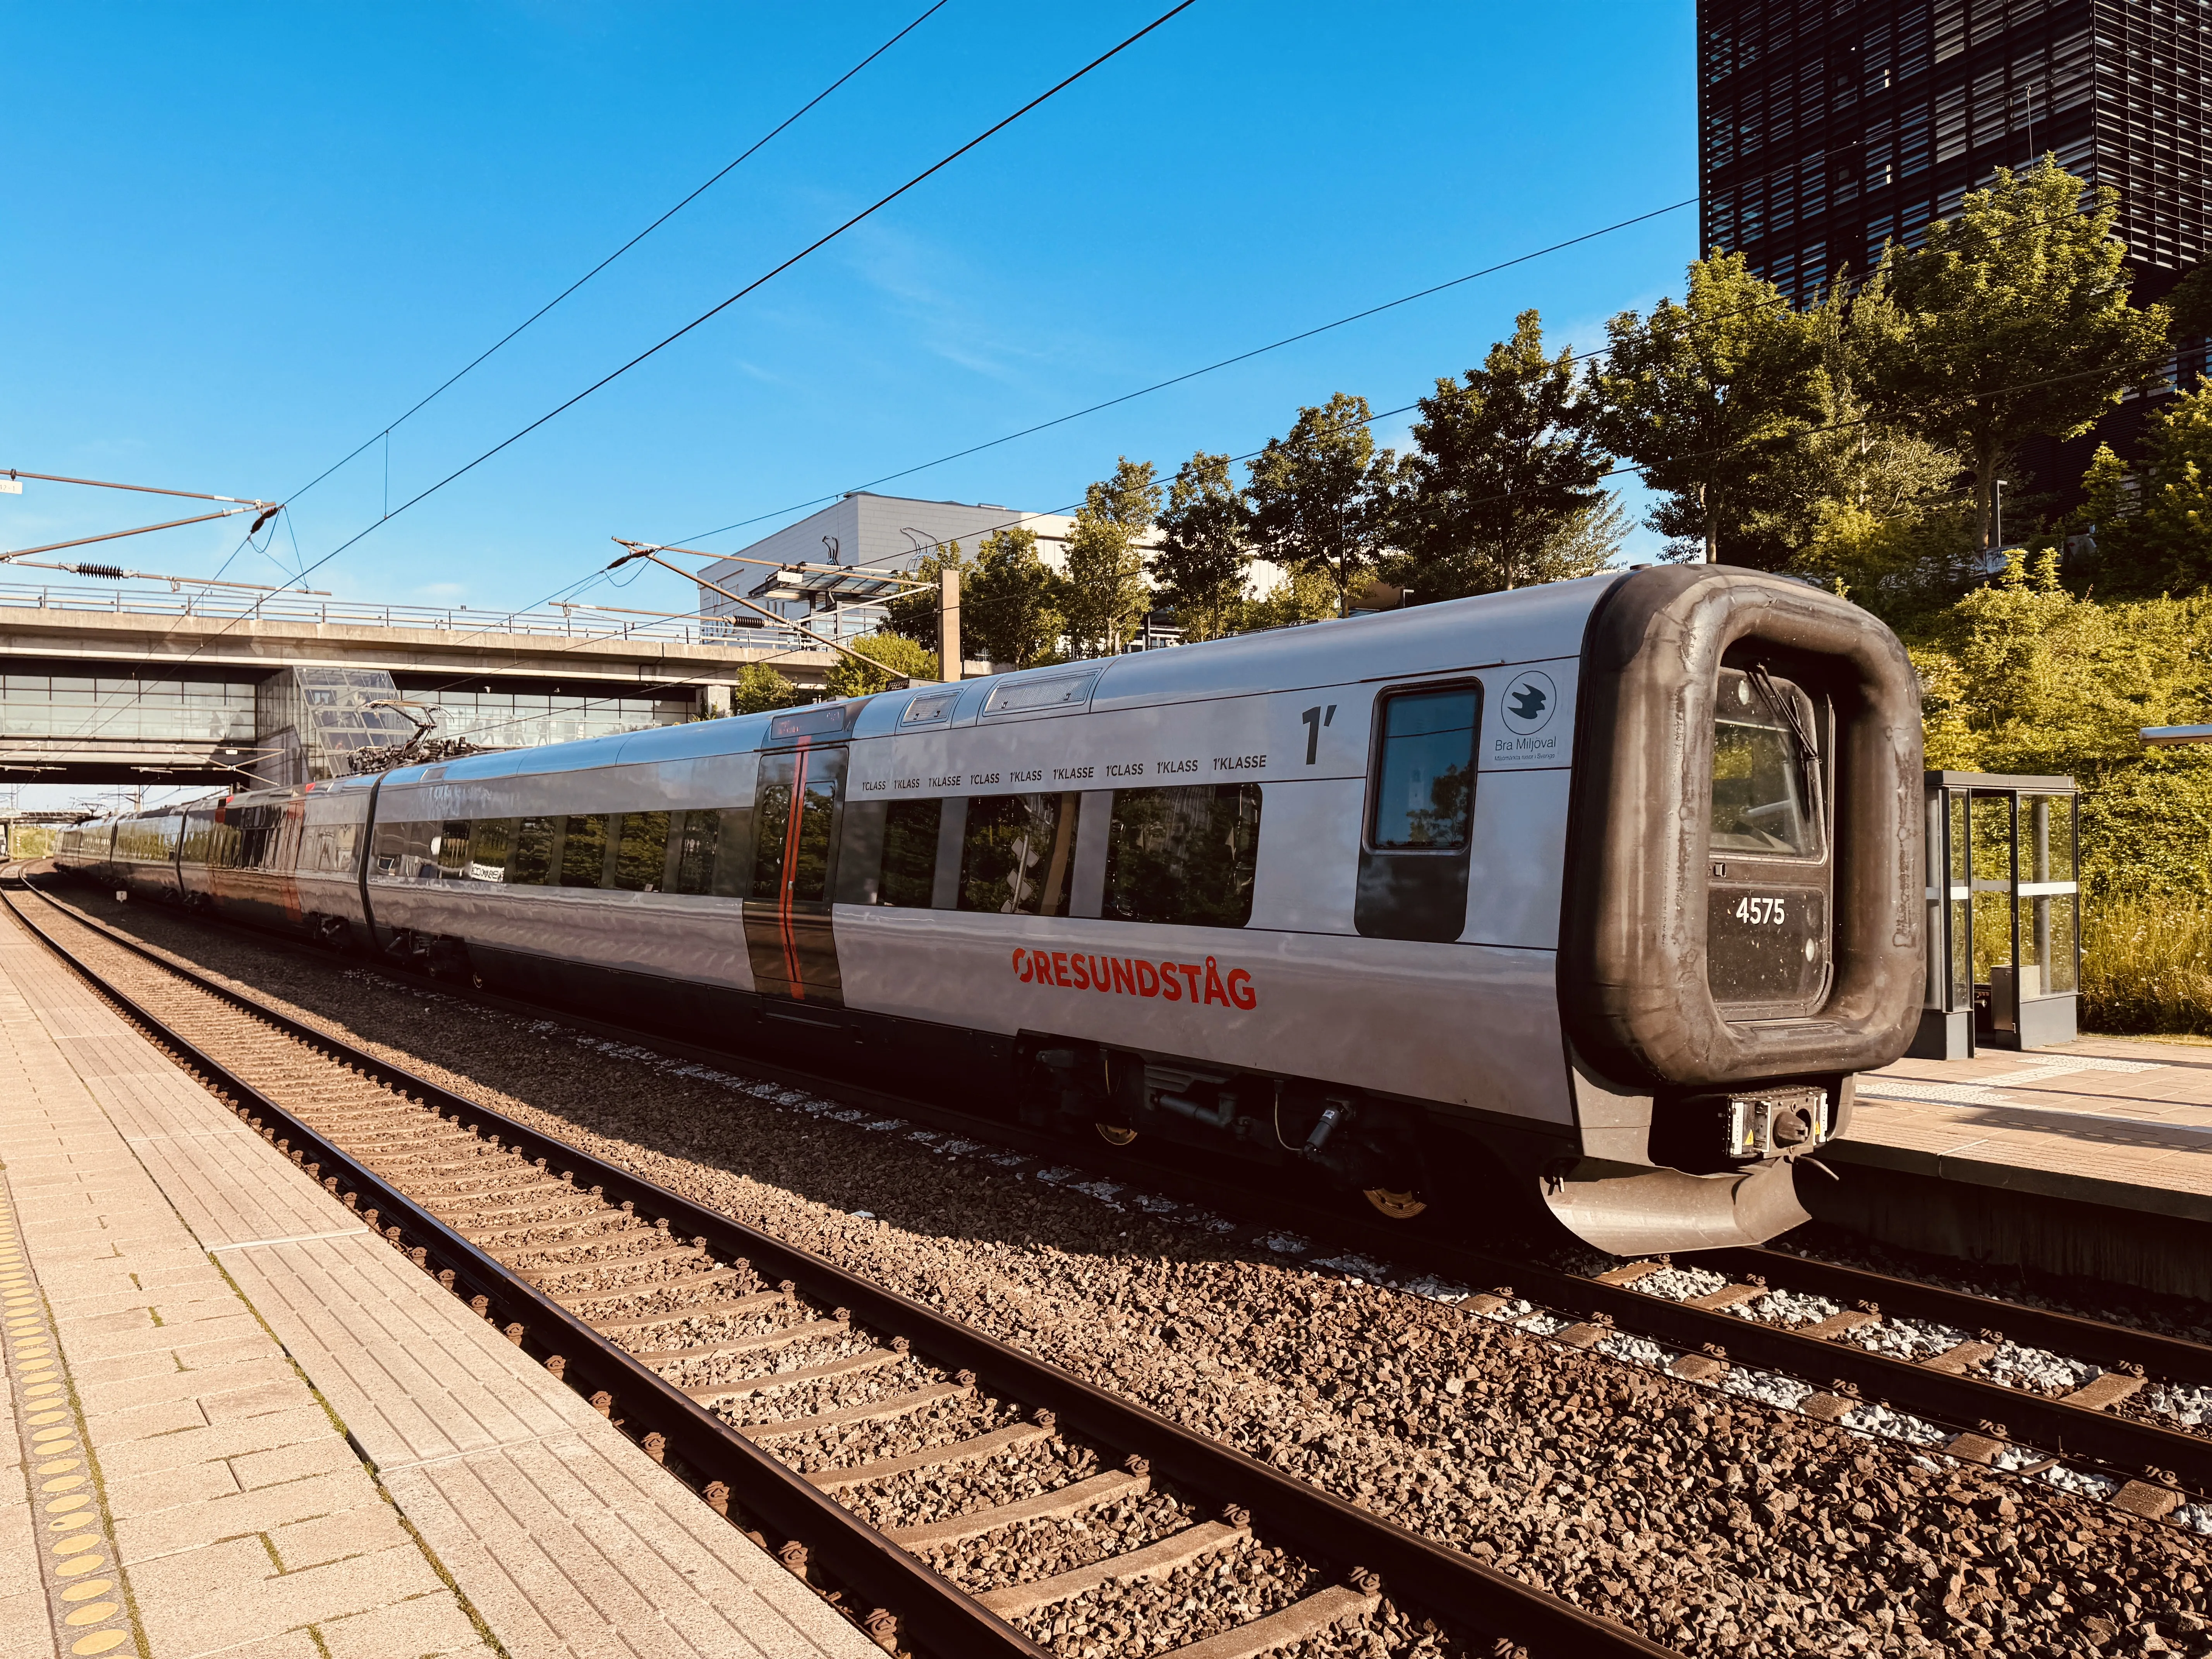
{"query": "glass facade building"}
(48, 701)
(1827, 128)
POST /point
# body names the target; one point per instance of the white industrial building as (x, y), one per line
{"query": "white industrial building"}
(880, 533)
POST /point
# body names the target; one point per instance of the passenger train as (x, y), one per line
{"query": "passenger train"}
(1598, 893)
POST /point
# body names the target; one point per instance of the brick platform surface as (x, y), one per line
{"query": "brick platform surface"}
(300, 1446)
(2108, 1121)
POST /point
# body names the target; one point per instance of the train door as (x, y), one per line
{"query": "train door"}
(798, 802)
(1768, 943)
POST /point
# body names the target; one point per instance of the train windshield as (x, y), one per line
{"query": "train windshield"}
(1763, 775)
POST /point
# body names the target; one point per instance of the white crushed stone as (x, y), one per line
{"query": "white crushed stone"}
(1787, 1308)
(2198, 1517)
(1356, 1266)
(1636, 1350)
(2010, 1458)
(1768, 1387)
(1680, 1284)
(1883, 1422)
(1435, 1289)
(1906, 1339)
(2081, 1482)
(2037, 1368)
(1285, 1243)
(2190, 1406)
(1524, 1314)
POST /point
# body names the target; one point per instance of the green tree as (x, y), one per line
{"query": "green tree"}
(1706, 398)
(1499, 489)
(901, 657)
(1322, 495)
(759, 688)
(2154, 534)
(1302, 596)
(1853, 467)
(1009, 606)
(1104, 593)
(1204, 554)
(2011, 322)
(2190, 304)
(913, 614)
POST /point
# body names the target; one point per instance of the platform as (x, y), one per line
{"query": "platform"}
(2092, 1156)
(241, 1425)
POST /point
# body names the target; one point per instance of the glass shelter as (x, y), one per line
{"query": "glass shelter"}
(2004, 914)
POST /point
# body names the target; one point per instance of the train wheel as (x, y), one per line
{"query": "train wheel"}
(1399, 1207)
(1114, 1135)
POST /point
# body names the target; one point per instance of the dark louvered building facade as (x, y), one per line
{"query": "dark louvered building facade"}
(1827, 128)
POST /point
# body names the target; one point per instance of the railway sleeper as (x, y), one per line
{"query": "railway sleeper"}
(884, 1410)
(953, 1452)
(1095, 1492)
(789, 1336)
(1012, 1601)
(744, 1304)
(874, 1359)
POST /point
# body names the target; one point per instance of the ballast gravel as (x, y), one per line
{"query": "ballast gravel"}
(2038, 1370)
(1701, 1517)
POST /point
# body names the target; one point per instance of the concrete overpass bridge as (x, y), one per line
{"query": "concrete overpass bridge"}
(132, 686)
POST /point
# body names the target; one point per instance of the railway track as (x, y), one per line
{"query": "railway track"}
(2019, 1388)
(953, 1495)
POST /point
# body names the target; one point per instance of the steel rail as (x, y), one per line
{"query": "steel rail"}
(2127, 1447)
(932, 1611)
(1415, 1570)
(2113, 1347)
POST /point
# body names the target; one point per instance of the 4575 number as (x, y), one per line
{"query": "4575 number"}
(1761, 912)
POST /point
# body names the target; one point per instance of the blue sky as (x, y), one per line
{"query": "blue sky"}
(243, 239)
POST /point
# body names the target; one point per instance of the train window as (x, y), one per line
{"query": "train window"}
(402, 852)
(1761, 786)
(910, 834)
(792, 859)
(530, 857)
(1424, 783)
(489, 842)
(1183, 857)
(1019, 852)
(584, 854)
(450, 849)
(640, 852)
(706, 852)
(390, 844)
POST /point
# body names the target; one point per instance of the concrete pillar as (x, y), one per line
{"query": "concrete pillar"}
(948, 625)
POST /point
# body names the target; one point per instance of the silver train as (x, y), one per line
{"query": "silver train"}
(1597, 893)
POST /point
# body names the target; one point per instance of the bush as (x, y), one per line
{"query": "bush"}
(2147, 966)
(900, 656)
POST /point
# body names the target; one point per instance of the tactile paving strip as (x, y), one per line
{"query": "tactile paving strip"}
(86, 1592)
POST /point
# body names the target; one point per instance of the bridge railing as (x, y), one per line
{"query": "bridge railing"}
(564, 623)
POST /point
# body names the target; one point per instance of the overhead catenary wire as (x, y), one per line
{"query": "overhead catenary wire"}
(1017, 520)
(1842, 282)
(1765, 302)
(383, 435)
(759, 282)
(1209, 368)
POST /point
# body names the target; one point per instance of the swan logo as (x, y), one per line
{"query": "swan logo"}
(1529, 701)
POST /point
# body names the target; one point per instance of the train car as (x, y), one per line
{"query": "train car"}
(1599, 892)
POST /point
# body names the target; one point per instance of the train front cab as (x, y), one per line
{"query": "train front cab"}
(1741, 928)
